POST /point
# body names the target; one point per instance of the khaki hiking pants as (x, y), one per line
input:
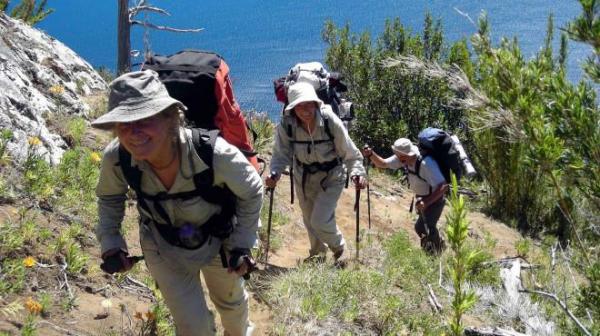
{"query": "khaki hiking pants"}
(177, 273)
(318, 209)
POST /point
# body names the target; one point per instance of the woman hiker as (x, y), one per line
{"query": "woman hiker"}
(181, 233)
(312, 139)
(428, 184)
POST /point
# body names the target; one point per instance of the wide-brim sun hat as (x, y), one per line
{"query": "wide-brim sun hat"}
(300, 93)
(134, 96)
(405, 147)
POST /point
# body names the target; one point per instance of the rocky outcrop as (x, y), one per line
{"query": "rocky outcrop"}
(39, 77)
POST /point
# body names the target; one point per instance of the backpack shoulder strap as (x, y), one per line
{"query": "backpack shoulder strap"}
(417, 171)
(132, 175)
(204, 143)
(327, 129)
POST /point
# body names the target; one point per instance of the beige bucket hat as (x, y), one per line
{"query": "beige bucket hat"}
(134, 96)
(301, 92)
(405, 147)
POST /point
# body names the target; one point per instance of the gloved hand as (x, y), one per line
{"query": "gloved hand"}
(241, 262)
(116, 260)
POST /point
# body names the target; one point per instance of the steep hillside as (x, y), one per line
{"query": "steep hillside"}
(84, 301)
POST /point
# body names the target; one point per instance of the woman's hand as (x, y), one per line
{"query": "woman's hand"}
(367, 151)
(241, 270)
(271, 181)
(421, 206)
(360, 182)
(116, 260)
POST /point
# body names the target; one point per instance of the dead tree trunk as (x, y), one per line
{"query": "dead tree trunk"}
(124, 43)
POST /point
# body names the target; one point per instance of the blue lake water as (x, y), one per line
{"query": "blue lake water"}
(262, 39)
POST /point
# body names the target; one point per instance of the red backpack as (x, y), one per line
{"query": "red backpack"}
(200, 80)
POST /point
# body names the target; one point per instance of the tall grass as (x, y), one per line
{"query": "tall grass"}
(372, 299)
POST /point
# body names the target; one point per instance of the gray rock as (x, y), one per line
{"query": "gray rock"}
(40, 77)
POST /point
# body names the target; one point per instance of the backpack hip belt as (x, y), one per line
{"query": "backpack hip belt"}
(315, 167)
(191, 237)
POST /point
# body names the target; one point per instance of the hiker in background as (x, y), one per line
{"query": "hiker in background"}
(178, 229)
(313, 139)
(429, 186)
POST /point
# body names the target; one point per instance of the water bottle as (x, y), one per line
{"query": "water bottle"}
(466, 162)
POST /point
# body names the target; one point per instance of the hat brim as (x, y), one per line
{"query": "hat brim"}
(293, 104)
(414, 151)
(125, 113)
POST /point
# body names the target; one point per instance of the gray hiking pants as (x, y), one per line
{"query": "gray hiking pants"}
(177, 273)
(426, 224)
(318, 203)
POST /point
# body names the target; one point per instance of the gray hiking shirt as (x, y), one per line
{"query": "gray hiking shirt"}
(230, 168)
(341, 147)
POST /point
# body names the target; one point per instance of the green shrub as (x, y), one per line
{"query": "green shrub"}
(391, 103)
(37, 174)
(75, 130)
(462, 261)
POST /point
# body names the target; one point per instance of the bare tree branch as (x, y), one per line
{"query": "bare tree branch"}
(135, 10)
(171, 29)
(562, 305)
(465, 15)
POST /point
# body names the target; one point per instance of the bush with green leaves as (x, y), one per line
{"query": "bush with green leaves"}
(540, 133)
(76, 177)
(390, 104)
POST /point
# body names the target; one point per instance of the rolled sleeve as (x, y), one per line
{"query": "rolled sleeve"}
(111, 192)
(346, 149)
(233, 169)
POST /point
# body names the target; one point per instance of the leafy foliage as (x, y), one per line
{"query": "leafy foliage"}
(586, 28)
(538, 133)
(390, 103)
(462, 261)
(30, 11)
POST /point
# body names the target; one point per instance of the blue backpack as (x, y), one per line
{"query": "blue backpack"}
(437, 143)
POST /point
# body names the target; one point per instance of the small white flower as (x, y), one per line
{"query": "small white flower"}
(106, 304)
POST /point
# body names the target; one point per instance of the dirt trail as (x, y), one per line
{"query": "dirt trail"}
(389, 214)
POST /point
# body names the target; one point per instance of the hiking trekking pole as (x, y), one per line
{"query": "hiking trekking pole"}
(357, 210)
(270, 190)
(292, 184)
(368, 192)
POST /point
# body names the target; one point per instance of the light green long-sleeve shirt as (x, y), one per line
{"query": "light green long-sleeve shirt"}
(230, 168)
(341, 147)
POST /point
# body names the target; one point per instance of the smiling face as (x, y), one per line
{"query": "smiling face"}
(149, 139)
(305, 111)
